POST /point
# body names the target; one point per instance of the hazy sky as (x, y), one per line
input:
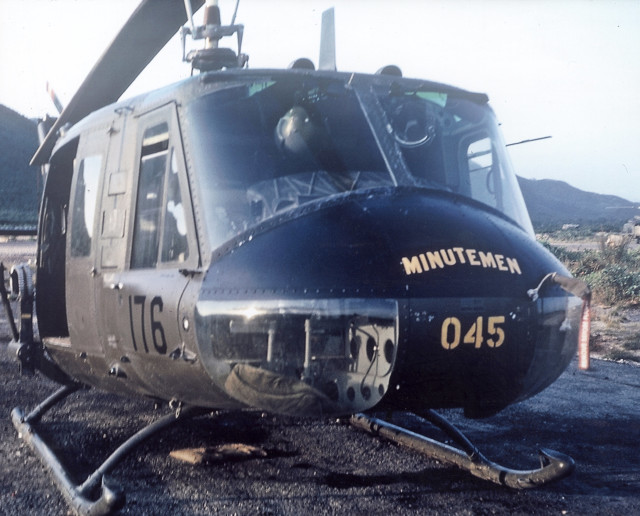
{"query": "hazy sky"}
(566, 68)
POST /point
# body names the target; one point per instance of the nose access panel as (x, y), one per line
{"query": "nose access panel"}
(482, 354)
(300, 357)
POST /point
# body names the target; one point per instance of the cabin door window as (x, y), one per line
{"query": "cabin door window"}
(84, 205)
(160, 232)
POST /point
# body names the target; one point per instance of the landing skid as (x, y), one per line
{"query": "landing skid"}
(553, 465)
(81, 497)
(95, 497)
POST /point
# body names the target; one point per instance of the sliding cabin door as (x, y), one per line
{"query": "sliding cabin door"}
(98, 150)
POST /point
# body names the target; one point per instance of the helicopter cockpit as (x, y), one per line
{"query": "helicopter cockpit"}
(266, 146)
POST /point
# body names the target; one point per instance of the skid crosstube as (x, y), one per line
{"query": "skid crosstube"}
(80, 497)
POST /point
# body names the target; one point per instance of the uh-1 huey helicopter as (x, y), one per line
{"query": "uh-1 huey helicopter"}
(305, 242)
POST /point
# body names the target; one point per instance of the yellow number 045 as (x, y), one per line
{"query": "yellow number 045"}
(451, 332)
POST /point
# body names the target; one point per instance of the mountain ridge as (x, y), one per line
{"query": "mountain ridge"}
(20, 183)
(554, 203)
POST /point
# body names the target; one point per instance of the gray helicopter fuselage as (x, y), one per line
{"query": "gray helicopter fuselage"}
(297, 241)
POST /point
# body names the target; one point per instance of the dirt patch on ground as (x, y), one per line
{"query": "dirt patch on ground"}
(615, 333)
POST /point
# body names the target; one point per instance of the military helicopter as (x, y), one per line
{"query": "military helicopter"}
(304, 242)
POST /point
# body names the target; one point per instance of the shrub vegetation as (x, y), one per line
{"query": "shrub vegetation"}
(612, 272)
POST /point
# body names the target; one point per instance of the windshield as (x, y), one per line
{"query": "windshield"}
(454, 143)
(264, 147)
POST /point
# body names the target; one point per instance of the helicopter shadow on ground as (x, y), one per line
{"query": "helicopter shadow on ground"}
(85, 430)
(90, 425)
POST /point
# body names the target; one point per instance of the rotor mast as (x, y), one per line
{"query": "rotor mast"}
(212, 56)
(211, 17)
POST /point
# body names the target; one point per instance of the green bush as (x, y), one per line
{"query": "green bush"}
(580, 263)
(615, 284)
(612, 272)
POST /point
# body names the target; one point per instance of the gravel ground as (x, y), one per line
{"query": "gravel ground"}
(328, 467)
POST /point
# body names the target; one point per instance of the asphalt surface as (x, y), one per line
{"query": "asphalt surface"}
(328, 467)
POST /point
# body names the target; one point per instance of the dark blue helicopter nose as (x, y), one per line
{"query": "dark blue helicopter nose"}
(413, 298)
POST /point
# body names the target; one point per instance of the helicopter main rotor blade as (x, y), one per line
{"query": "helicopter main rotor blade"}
(150, 27)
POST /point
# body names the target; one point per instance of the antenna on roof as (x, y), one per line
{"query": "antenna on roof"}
(527, 141)
(328, 42)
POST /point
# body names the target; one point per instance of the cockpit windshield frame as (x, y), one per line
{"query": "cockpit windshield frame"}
(263, 145)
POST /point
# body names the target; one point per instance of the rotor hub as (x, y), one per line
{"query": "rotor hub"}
(211, 57)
